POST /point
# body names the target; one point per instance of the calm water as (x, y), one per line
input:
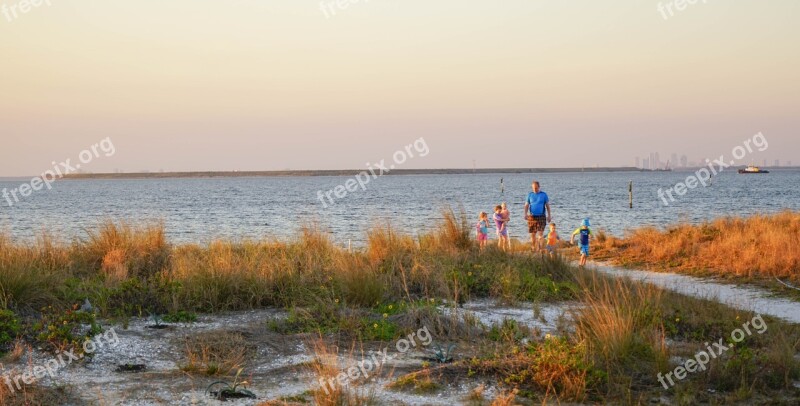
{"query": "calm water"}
(199, 210)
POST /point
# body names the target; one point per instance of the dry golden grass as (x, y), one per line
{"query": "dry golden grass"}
(326, 368)
(419, 382)
(620, 324)
(126, 250)
(456, 231)
(233, 276)
(762, 246)
(17, 351)
(114, 266)
(133, 270)
(614, 313)
(34, 395)
(384, 242)
(28, 273)
(476, 396)
(216, 353)
(506, 398)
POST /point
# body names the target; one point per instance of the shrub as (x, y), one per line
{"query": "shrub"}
(9, 329)
(554, 366)
(180, 317)
(66, 329)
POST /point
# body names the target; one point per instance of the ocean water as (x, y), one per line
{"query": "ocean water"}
(201, 210)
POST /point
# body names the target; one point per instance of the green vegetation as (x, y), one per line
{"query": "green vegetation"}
(554, 366)
(63, 330)
(180, 317)
(9, 329)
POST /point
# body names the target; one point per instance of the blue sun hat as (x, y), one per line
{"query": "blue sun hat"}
(586, 222)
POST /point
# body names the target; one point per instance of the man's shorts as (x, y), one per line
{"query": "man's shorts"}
(585, 250)
(537, 223)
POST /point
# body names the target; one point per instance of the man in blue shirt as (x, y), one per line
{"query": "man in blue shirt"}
(537, 211)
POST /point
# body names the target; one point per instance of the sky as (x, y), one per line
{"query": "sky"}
(198, 85)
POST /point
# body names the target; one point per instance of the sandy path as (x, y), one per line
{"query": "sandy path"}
(744, 297)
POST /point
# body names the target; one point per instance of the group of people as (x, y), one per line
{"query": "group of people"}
(540, 226)
(501, 217)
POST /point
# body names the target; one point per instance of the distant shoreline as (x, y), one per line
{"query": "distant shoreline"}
(351, 172)
(309, 173)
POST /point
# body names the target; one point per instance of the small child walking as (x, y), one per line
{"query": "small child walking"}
(502, 228)
(552, 238)
(483, 229)
(585, 236)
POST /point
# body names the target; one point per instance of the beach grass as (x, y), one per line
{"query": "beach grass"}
(134, 271)
(627, 333)
(624, 332)
(757, 247)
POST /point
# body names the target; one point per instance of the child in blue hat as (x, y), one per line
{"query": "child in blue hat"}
(585, 235)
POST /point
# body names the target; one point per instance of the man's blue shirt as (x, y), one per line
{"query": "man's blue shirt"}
(537, 202)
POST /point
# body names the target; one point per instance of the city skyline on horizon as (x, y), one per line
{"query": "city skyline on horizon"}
(679, 160)
(639, 162)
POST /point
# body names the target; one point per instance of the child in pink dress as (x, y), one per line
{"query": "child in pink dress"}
(482, 229)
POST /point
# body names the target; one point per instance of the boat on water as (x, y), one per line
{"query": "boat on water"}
(753, 169)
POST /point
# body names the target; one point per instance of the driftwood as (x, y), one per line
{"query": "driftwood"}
(786, 284)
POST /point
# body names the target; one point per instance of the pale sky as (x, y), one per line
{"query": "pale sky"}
(194, 85)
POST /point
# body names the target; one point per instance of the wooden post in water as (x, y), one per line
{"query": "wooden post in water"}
(630, 193)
